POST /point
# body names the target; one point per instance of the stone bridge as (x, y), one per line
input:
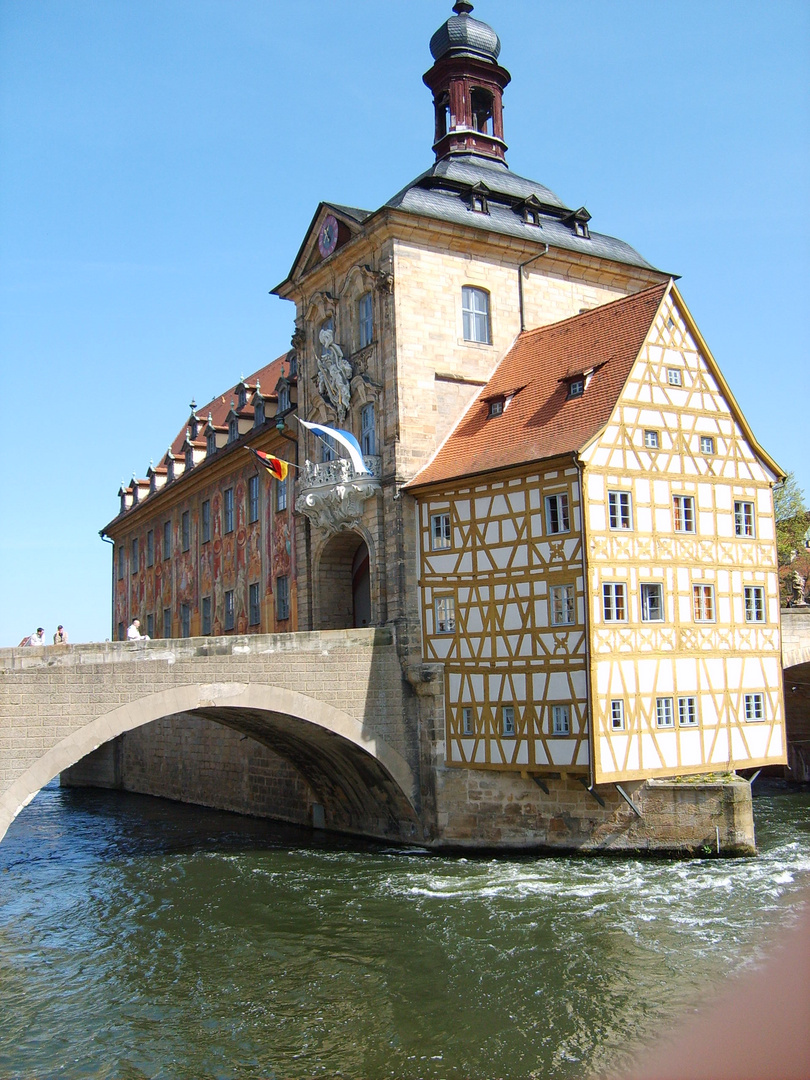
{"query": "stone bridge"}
(331, 703)
(796, 667)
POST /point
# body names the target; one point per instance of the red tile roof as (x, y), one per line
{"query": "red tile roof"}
(541, 421)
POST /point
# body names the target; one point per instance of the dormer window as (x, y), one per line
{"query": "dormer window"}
(478, 199)
(292, 360)
(496, 406)
(258, 412)
(210, 443)
(530, 210)
(576, 387)
(531, 217)
(242, 395)
(233, 429)
(194, 426)
(283, 397)
(581, 229)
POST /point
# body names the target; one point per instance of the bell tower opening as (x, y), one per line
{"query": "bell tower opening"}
(467, 84)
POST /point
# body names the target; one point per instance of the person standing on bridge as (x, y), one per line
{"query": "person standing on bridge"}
(60, 637)
(38, 638)
(134, 631)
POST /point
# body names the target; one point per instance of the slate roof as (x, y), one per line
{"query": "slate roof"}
(442, 192)
(541, 421)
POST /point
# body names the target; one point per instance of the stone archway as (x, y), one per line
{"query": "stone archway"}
(365, 786)
(343, 596)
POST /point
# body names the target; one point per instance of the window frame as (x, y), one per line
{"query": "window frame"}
(562, 601)
(620, 510)
(254, 604)
(206, 613)
(134, 556)
(754, 603)
(473, 320)
(167, 622)
(508, 722)
(684, 519)
(229, 600)
(617, 714)
(707, 444)
(467, 720)
(150, 550)
(282, 597)
(368, 434)
(442, 541)
(701, 592)
(647, 590)
(651, 439)
(754, 707)
(167, 539)
(557, 513)
(674, 377)
(254, 495)
(687, 711)
(665, 713)
(185, 620)
(121, 561)
(745, 523)
(281, 495)
(185, 531)
(561, 719)
(365, 319)
(228, 515)
(444, 624)
(205, 521)
(612, 591)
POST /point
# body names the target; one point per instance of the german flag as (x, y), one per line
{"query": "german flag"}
(275, 466)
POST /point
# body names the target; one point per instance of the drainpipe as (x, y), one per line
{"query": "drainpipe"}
(528, 262)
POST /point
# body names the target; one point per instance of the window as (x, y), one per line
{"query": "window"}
(664, 716)
(617, 715)
(283, 399)
(167, 539)
(211, 443)
(328, 450)
(619, 510)
(254, 608)
(121, 634)
(706, 444)
(439, 531)
(576, 388)
(253, 498)
(282, 597)
(230, 610)
(365, 319)
(754, 603)
(508, 720)
(445, 608)
(687, 711)
(674, 376)
(479, 202)
(652, 603)
(150, 625)
(754, 706)
(185, 620)
(496, 407)
(614, 601)
(206, 614)
(481, 105)
(467, 723)
(368, 442)
(703, 603)
(227, 509)
(744, 519)
(475, 315)
(560, 719)
(683, 513)
(206, 521)
(651, 440)
(121, 562)
(562, 604)
(242, 396)
(258, 411)
(557, 520)
(281, 494)
(150, 550)
(233, 429)
(167, 622)
(134, 567)
(185, 529)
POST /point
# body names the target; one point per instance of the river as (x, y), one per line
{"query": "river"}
(141, 938)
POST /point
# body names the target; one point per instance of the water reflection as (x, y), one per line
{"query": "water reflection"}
(140, 938)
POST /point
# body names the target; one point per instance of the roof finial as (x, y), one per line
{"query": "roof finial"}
(462, 7)
(192, 405)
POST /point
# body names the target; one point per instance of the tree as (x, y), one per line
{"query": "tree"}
(791, 524)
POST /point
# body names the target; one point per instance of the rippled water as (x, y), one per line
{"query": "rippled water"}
(140, 938)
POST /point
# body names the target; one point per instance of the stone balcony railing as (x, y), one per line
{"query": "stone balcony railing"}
(331, 493)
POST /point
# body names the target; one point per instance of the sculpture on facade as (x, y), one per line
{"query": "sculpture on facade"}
(334, 373)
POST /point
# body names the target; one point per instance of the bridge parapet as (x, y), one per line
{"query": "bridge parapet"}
(795, 636)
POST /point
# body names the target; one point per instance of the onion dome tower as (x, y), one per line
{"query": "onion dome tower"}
(467, 84)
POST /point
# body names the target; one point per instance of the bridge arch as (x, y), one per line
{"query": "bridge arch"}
(368, 785)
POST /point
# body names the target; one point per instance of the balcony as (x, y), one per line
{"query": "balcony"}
(331, 494)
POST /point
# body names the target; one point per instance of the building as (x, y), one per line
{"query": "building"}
(203, 545)
(566, 518)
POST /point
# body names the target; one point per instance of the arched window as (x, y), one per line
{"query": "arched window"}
(481, 105)
(475, 315)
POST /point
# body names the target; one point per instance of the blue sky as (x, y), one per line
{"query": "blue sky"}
(163, 158)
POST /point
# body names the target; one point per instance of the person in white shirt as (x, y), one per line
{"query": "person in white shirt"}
(38, 638)
(134, 632)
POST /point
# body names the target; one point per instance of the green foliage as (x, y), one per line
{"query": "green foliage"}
(791, 518)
